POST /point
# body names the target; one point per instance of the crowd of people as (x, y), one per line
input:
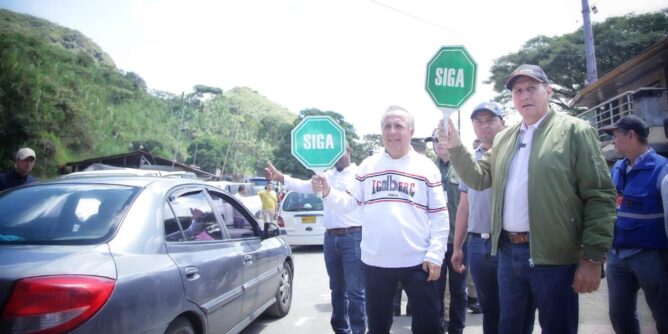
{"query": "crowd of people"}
(533, 215)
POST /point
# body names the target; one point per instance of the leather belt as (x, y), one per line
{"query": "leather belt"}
(516, 237)
(343, 230)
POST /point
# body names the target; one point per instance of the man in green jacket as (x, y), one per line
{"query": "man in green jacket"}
(553, 207)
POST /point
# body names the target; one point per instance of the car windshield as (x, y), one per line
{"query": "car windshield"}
(259, 181)
(249, 189)
(62, 213)
(302, 202)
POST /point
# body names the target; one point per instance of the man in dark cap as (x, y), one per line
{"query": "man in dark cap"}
(639, 254)
(553, 207)
(474, 223)
(20, 175)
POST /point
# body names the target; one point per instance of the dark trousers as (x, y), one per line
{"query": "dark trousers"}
(484, 269)
(647, 270)
(523, 288)
(381, 285)
(457, 289)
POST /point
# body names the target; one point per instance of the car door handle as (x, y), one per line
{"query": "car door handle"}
(248, 259)
(192, 273)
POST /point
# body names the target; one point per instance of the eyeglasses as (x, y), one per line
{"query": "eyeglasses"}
(434, 140)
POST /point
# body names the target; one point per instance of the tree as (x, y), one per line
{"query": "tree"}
(371, 144)
(617, 39)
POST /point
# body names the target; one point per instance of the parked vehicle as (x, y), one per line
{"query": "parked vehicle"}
(136, 255)
(301, 215)
(98, 170)
(260, 182)
(251, 199)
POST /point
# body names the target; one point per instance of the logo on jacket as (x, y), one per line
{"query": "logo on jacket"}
(389, 184)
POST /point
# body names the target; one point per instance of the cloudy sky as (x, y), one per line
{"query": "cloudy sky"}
(354, 57)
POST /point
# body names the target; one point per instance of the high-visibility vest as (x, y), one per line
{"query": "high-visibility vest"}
(640, 211)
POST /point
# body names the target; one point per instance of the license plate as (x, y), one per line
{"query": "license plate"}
(308, 220)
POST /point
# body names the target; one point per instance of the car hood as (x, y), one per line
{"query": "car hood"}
(20, 261)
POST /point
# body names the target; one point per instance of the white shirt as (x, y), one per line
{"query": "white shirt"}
(516, 198)
(344, 181)
(403, 209)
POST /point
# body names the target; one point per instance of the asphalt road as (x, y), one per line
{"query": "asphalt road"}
(311, 307)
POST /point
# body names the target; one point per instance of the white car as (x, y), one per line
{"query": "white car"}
(251, 199)
(301, 215)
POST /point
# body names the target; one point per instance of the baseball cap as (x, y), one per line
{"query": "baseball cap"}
(25, 153)
(630, 122)
(527, 70)
(492, 107)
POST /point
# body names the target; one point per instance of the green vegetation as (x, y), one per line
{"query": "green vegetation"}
(617, 40)
(63, 96)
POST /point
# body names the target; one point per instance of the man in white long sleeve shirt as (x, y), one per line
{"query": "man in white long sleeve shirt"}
(405, 221)
(341, 247)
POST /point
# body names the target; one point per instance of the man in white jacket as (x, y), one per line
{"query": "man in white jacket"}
(405, 225)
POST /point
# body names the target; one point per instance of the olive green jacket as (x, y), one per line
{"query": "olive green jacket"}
(571, 196)
(450, 182)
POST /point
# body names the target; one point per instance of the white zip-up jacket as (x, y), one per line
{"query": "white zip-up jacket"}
(404, 211)
(344, 181)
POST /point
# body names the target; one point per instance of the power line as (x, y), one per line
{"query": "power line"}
(412, 16)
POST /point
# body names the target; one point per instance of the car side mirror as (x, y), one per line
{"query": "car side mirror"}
(270, 230)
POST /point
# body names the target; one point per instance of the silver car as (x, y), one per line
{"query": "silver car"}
(136, 255)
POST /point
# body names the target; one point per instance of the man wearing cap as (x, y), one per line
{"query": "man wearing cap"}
(553, 207)
(474, 217)
(456, 281)
(639, 254)
(20, 175)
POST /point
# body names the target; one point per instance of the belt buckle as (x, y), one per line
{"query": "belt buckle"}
(484, 235)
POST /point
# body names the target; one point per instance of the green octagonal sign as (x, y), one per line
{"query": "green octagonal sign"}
(318, 142)
(451, 77)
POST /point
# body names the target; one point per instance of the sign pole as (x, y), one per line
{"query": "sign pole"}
(447, 112)
(318, 171)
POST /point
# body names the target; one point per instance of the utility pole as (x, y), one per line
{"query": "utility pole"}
(178, 134)
(590, 53)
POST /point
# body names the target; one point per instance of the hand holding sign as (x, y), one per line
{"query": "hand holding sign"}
(448, 134)
(451, 79)
(320, 185)
(318, 142)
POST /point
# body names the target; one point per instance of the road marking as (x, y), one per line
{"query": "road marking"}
(301, 321)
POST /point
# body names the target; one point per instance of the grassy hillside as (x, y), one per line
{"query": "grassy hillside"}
(62, 95)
